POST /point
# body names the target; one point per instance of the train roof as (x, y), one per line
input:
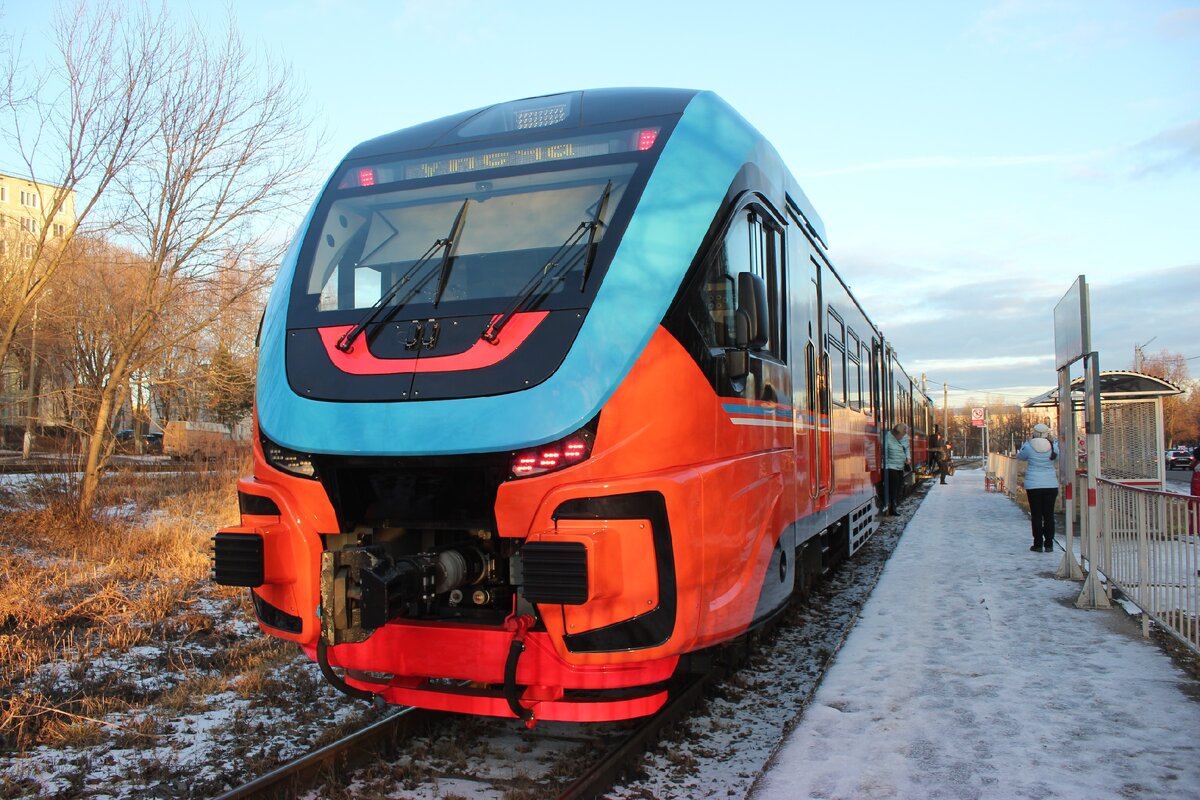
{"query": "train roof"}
(589, 107)
(596, 107)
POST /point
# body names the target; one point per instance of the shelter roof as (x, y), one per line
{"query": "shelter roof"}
(1114, 385)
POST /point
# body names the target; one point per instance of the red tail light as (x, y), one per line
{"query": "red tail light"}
(366, 176)
(646, 138)
(554, 456)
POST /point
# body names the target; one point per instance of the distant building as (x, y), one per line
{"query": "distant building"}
(24, 216)
(25, 219)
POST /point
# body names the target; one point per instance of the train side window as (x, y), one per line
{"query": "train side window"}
(823, 387)
(837, 358)
(866, 390)
(765, 251)
(873, 356)
(750, 245)
(810, 377)
(714, 317)
(853, 372)
(769, 252)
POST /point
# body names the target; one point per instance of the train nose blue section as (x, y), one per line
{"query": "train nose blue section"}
(709, 145)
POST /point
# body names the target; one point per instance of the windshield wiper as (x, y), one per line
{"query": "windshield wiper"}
(346, 340)
(448, 255)
(553, 271)
(597, 221)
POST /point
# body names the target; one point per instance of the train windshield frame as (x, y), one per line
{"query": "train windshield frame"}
(381, 234)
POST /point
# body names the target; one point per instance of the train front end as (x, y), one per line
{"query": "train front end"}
(481, 463)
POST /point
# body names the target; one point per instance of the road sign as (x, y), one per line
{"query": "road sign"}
(978, 418)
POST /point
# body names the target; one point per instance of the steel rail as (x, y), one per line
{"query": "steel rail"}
(348, 752)
(601, 776)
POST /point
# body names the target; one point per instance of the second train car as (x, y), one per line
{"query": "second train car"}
(552, 394)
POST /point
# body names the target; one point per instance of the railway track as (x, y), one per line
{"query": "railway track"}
(345, 754)
(335, 762)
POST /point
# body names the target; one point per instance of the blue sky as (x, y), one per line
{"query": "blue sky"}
(969, 159)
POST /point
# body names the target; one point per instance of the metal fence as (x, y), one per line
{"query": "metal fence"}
(1001, 475)
(1148, 546)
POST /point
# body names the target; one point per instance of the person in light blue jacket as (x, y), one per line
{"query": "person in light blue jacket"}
(896, 456)
(1041, 485)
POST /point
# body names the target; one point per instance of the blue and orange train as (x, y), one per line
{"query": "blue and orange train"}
(551, 395)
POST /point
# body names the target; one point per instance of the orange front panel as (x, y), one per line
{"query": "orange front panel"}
(743, 502)
(729, 489)
(291, 542)
(622, 579)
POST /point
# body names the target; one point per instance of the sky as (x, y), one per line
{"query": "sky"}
(988, 682)
(969, 159)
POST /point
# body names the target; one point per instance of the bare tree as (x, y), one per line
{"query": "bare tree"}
(76, 125)
(224, 160)
(1181, 413)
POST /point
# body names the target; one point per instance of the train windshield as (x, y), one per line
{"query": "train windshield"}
(459, 246)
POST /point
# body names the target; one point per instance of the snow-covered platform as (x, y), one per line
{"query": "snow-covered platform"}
(971, 674)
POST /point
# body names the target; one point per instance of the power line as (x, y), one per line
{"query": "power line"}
(1024, 395)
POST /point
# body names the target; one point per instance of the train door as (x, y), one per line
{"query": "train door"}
(817, 367)
(875, 359)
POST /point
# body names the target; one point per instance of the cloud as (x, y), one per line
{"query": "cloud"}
(984, 335)
(1173, 150)
(1061, 27)
(946, 162)
(1180, 23)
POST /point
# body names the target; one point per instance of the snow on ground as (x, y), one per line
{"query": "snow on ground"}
(971, 674)
(216, 742)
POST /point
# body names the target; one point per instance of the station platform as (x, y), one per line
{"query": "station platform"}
(971, 674)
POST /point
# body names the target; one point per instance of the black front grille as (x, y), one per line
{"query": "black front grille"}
(434, 492)
(555, 572)
(237, 559)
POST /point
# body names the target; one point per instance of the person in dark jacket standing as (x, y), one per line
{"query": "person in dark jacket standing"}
(1041, 486)
(937, 451)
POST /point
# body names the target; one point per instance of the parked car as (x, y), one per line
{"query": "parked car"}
(125, 440)
(198, 441)
(153, 442)
(1179, 458)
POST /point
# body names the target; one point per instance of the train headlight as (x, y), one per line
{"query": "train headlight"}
(553, 456)
(289, 461)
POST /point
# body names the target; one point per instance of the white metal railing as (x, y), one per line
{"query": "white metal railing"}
(1147, 542)
(1001, 474)
(1149, 546)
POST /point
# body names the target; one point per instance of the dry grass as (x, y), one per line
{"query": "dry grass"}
(77, 592)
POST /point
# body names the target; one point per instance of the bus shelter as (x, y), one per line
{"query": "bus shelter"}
(1132, 445)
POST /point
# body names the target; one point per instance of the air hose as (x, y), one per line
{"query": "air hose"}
(336, 680)
(513, 691)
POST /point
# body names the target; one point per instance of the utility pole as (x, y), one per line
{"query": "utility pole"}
(946, 410)
(30, 419)
(1139, 357)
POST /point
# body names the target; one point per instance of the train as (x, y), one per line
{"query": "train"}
(552, 396)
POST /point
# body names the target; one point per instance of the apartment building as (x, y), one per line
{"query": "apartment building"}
(24, 214)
